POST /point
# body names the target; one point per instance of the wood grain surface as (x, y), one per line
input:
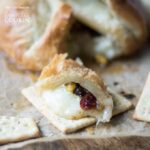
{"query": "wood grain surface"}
(112, 143)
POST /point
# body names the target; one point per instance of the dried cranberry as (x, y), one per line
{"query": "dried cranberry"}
(80, 91)
(88, 101)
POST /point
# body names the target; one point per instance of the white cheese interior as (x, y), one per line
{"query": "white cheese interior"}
(67, 105)
(97, 15)
(94, 13)
(106, 46)
(62, 102)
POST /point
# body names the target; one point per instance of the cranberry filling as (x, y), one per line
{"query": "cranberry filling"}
(88, 100)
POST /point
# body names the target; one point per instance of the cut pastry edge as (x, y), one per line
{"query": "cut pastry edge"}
(69, 126)
(51, 42)
(31, 45)
(142, 110)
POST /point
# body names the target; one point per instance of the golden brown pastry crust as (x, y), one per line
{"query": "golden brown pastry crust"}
(15, 39)
(60, 64)
(61, 71)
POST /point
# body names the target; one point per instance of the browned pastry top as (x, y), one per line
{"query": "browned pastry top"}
(33, 31)
(62, 71)
(60, 64)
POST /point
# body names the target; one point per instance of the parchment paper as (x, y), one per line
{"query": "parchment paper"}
(130, 74)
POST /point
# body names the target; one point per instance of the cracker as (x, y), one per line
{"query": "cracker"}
(121, 104)
(65, 125)
(15, 129)
(142, 111)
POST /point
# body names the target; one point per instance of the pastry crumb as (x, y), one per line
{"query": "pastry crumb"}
(90, 130)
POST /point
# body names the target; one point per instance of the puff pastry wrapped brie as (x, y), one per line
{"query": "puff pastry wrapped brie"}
(122, 28)
(72, 96)
(73, 91)
(33, 31)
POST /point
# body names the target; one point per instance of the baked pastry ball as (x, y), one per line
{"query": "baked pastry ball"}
(121, 26)
(33, 31)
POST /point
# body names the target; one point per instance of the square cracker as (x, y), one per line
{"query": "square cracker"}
(142, 111)
(14, 129)
(65, 125)
(121, 104)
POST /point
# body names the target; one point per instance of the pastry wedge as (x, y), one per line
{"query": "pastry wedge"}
(72, 96)
(123, 29)
(32, 32)
(142, 111)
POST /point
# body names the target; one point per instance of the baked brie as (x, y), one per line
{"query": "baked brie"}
(72, 96)
(122, 28)
(33, 31)
(73, 92)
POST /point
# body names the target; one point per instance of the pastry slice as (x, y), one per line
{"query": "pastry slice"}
(72, 96)
(33, 31)
(122, 28)
(142, 111)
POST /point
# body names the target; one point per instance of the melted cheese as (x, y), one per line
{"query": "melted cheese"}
(98, 12)
(106, 46)
(97, 15)
(63, 102)
(67, 105)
